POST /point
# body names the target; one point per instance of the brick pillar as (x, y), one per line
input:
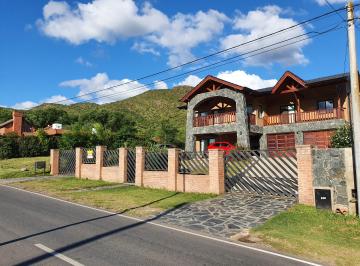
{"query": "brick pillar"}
(173, 167)
(123, 165)
(99, 161)
(54, 161)
(305, 175)
(139, 166)
(216, 172)
(78, 162)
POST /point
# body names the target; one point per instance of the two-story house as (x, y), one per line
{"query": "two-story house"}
(294, 111)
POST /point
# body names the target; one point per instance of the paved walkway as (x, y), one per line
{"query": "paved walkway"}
(228, 215)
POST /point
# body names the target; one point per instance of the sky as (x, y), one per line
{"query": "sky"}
(76, 51)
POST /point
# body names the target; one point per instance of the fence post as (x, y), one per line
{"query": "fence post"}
(173, 167)
(99, 160)
(54, 161)
(139, 166)
(123, 152)
(78, 162)
(305, 175)
(216, 172)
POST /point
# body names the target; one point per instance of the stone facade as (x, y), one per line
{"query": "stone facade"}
(241, 127)
(332, 168)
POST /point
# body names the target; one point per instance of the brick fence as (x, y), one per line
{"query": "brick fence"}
(329, 168)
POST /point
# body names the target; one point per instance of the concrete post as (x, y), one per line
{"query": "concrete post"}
(99, 161)
(173, 167)
(216, 172)
(123, 165)
(305, 175)
(139, 166)
(54, 161)
(78, 162)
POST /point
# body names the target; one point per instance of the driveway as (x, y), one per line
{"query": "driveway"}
(229, 214)
(39, 230)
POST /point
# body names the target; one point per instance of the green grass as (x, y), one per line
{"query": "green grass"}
(132, 200)
(11, 168)
(322, 235)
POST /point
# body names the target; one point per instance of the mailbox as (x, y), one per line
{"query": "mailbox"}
(40, 165)
(323, 199)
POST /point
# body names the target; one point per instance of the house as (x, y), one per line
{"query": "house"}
(294, 111)
(17, 124)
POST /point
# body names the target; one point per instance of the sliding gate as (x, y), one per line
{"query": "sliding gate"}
(262, 172)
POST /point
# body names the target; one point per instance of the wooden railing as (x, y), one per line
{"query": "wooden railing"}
(299, 117)
(214, 119)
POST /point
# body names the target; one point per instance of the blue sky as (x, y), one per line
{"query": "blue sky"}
(55, 50)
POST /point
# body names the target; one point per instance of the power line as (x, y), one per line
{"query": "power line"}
(224, 62)
(207, 56)
(332, 7)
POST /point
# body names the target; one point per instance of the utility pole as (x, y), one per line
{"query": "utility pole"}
(355, 98)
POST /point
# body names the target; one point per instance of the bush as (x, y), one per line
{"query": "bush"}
(9, 146)
(342, 137)
(32, 146)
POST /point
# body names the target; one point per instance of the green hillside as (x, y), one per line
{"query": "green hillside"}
(148, 109)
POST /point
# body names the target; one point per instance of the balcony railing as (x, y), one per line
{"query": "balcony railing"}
(214, 119)
(299, 117)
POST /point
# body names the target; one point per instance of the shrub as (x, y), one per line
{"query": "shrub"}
(31, 146)
(9, 146)
(342, 137)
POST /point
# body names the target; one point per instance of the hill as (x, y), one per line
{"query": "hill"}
(149, 108)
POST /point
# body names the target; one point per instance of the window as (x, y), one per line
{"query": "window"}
(326, 105)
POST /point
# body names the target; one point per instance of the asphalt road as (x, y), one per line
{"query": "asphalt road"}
(32, 227)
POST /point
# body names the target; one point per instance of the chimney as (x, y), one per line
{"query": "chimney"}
(17, 122)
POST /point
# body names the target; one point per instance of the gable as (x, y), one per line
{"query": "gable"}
(288, 83)
(209, 84)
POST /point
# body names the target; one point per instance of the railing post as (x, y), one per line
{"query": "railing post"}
(123, 153)
(54, 161)
(139, 166)
(78, 162)
(173, 167)
(99, 160)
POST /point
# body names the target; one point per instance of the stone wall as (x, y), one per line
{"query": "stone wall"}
(240, 127)
(332, 168)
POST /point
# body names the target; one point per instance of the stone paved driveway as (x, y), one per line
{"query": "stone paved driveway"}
(229, 214)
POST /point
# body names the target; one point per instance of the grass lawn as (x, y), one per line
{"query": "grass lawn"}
(134, 201)
(321, 235)
(11, 168)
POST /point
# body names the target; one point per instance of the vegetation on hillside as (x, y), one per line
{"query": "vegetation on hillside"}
(151, 117)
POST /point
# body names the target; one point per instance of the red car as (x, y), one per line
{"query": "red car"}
(225, 146)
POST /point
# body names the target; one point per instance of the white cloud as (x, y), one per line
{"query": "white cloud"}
(101, 81)
(239, 77)
(143, 48)
(323, 2)
(81, 61)
(251, 81)
(261, 22)
(53, 99)
(160, 85)
(190, 80)
(100, 20)
(184, 32)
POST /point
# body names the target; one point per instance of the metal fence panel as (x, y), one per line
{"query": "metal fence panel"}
(156, 161)
(196, 163)
(263, 172)
(111, 158)
(67, 161)
(88, 155)
(131, 164)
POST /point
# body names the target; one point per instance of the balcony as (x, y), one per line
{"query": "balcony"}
(214, 119)
(299, 117)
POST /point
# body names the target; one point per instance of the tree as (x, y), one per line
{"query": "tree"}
(166, 133)
(41, 118)
(342, 137)
(5, 114)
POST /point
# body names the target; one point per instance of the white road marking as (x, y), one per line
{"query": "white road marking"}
(173, 228)
(58, 255)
